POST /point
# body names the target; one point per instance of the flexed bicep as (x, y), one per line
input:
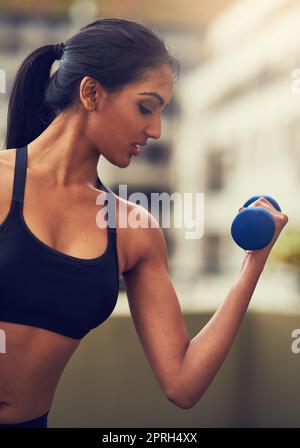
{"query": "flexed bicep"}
(156, 312)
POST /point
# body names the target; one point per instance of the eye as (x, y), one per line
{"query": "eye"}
(144, 110)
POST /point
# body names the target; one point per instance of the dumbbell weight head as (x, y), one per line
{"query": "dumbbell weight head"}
(254, 227)
(269, 198)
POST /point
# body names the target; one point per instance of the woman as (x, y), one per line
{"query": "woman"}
(59, 270)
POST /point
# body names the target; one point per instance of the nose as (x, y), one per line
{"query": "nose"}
(154, 129)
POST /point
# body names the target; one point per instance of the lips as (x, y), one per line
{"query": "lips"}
(135, 149)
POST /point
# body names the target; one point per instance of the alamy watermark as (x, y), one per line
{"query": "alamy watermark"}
(295, 86)
(188, 211)
(2, 341)
(2, 81)
(296, 343)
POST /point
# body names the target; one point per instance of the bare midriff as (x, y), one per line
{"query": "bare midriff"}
(30, 369)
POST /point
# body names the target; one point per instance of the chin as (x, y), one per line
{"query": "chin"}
(125, 164)
(122, 163)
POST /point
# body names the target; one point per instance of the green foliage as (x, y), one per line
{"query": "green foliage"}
(287, 248)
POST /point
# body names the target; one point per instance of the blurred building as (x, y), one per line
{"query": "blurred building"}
(239, 136)
(188, 14)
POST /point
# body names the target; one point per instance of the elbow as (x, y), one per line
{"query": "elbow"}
(184, 397)
(181, 401)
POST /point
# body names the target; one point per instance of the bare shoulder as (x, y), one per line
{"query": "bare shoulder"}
(142, 233)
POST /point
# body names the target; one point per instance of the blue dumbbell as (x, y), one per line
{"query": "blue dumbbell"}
(254, 227)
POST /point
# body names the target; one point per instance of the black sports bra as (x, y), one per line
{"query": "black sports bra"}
(45, 288)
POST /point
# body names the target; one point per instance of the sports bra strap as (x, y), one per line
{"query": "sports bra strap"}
(20, 174)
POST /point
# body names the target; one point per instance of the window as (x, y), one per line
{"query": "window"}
(156, 153)
(214, 171)
(211, 254)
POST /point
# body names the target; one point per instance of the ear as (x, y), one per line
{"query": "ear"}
(92, 95)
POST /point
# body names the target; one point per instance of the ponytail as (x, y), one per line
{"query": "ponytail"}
(27, 115)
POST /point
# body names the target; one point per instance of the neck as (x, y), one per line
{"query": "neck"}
(64, 155)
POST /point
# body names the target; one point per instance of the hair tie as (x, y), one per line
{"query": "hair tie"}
(59, 50)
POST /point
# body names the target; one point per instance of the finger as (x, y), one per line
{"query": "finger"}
(263, 202)
(269, 204)
(281, 219)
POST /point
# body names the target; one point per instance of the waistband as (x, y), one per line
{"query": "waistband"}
(39, 422)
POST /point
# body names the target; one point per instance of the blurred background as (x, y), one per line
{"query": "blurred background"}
(232, 130)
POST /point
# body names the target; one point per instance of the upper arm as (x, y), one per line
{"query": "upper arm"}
(155, 308)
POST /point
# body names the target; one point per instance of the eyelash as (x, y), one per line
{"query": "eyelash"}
(145, 111)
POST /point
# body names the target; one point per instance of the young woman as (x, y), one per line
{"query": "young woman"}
(59, 270)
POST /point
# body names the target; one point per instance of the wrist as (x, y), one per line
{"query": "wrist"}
(255, 260)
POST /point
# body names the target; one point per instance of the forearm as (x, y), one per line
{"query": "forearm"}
(207, 350)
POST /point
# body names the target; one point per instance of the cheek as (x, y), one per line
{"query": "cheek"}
(116, 128)
(126, 127)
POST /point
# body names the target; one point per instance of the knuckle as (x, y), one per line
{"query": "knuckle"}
(265, 201)
(281, 219)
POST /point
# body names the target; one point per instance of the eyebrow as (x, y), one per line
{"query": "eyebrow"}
(155, 95)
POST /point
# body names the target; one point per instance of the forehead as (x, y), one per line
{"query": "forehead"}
(158, 80)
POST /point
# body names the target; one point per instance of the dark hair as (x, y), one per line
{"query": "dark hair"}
(114, 51)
